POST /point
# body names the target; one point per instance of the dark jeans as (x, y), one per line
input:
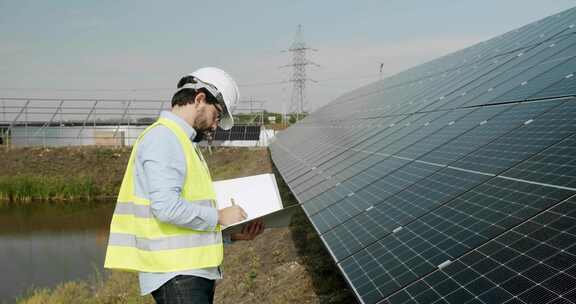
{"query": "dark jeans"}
(185, 289)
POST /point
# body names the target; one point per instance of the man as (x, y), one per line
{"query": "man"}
(166, 224)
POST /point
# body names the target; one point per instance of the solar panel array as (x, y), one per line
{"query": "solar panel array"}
(453, 181)
(238, 132)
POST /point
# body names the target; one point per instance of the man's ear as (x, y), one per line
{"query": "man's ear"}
(200, 98)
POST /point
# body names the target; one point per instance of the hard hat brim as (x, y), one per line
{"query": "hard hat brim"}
(226, 122)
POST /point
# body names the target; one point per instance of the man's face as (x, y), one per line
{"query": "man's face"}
(207, 119)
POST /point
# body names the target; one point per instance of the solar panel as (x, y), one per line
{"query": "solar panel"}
(453, 181)
(238, 132)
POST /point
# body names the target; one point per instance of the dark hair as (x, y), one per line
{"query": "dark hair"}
(184, 80)
(186, 96)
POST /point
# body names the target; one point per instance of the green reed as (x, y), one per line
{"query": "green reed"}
(25, 188)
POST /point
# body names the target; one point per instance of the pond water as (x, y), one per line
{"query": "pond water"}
(44, 244)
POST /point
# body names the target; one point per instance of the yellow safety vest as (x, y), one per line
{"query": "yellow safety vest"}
(140, 242)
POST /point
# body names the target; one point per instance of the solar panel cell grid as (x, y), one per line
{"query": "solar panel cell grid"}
(555, 165)
(445, 234)
(487, 131)
(520, 68)
(565, 86)
(532, 85)
(524, 142)
(524, 85)
(399, 180)
(450, 131)
(531, 263)
(253, 133)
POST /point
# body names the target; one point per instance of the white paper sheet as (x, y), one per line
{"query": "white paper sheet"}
(258, 195)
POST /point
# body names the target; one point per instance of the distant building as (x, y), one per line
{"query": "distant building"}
(73, 134)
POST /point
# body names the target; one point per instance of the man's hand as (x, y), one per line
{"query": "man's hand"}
(231, 215)
(249, 231)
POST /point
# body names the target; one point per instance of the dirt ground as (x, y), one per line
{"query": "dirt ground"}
(283, 265)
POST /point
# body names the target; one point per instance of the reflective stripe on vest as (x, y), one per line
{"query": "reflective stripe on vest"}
(140, 242)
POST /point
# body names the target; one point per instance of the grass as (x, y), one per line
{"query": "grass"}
(25, 188)
(117, 287)
(60, 174)
(225, 163)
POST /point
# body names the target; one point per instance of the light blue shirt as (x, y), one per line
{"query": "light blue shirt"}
(160, 172)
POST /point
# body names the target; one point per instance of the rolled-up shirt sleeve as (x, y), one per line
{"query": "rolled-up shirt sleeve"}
(164, 167)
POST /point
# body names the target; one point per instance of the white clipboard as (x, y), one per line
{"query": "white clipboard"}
(258, 195)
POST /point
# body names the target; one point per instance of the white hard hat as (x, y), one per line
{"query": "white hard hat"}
(226, 91)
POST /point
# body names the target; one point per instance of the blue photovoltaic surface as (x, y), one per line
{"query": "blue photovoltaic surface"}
(453, 181)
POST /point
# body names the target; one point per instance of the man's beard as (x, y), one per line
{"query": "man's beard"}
(206, 134)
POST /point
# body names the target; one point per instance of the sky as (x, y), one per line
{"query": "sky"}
(139, 49)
